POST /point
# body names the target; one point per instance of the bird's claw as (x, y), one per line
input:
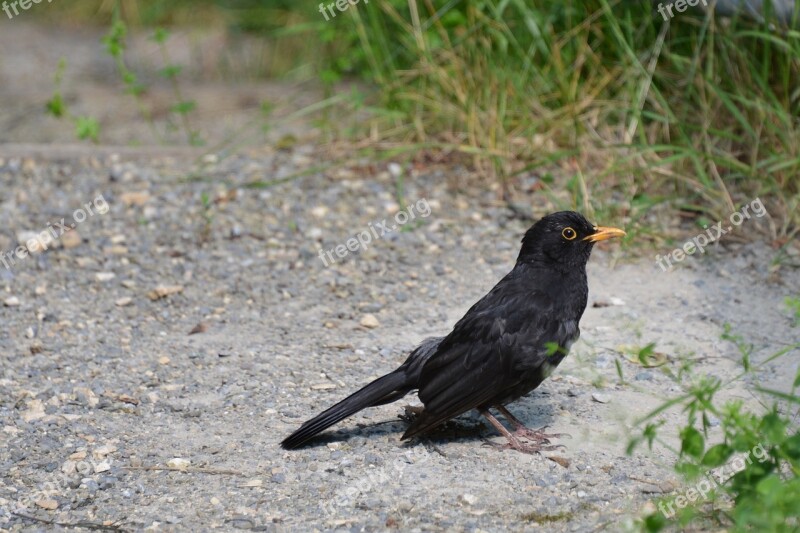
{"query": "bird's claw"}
(522, 447)
(538, 435)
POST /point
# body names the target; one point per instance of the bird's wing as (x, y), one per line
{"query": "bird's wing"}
(489, 352)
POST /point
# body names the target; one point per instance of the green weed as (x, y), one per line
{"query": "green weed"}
(748, 480)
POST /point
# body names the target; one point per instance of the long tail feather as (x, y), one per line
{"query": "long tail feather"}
(384, 389)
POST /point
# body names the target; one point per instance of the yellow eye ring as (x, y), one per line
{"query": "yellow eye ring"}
(569, 234)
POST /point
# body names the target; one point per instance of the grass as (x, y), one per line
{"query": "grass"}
(629, 115)
(631, 112)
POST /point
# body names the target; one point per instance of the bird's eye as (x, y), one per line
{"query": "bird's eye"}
(569, 234)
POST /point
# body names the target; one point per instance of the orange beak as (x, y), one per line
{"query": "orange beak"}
(602, 233)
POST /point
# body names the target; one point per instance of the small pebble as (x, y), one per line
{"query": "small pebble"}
(369, 321)
(179, 463)
(48, 504)
(90, 484)
(469, 499)
(600, 398)
(105, 276)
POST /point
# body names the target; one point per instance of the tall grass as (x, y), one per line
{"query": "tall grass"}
(700, 112)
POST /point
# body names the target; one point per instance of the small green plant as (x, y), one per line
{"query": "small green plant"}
(115, 45)
(85, 127)
(793, 303)
(114, 42)
(182, 107)
(745, 349)
(208, 216)
(749, 480)
(645, 356)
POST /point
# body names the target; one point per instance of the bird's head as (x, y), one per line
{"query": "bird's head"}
(564, 239)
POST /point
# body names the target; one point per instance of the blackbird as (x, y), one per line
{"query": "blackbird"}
(502, 349)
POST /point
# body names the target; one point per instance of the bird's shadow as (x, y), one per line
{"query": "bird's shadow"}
(534, 413)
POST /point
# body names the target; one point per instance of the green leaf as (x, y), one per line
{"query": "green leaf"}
(692, 442)
(650, 432)
(56, 106)
(619, 370)
(689, 470)
(87, 128)
(267, 107)
(136, 89)
(716, 455)
(779, 394)
(632, 444)
(769, 486)
(170, 71)
(129, 78)
(645, 353)
(553, 348)
(183, 107)
(160, 35)
(115, 38)
(773, 427)
(792, 446)
(655, 522)
(329, 76)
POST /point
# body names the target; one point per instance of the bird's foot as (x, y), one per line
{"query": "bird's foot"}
(538, 435)
(541, 444)
(515, 444)
(520, 430)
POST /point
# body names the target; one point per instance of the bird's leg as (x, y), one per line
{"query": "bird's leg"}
(537, 435)
(513, 442)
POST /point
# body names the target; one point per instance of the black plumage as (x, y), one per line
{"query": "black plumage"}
(502, 348)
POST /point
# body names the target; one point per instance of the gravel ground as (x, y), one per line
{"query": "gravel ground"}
(153, 358)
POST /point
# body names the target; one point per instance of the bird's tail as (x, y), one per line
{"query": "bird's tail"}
(383, 390)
